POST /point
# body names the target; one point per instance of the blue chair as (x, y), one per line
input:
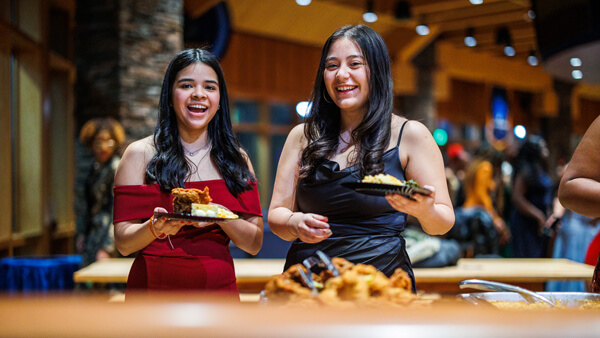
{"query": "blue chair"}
(28, 274)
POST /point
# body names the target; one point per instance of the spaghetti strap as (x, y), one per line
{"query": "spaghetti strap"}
(400, 135)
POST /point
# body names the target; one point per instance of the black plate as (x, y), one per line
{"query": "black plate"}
(379, 189)
(181, 217)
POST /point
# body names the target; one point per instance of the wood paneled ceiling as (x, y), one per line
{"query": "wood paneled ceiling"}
(448, 21)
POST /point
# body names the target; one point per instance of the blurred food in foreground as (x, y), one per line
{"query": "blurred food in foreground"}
(357, 285)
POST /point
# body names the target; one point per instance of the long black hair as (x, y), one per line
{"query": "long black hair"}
(169, 166)
(372, 135)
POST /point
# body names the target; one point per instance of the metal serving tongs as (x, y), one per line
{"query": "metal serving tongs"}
(322, 261)
(529, 296)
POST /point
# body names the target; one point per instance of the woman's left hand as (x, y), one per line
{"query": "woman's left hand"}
(416, 205)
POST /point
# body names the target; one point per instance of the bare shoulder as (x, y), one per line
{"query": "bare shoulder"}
(132, 166)
(296, 137)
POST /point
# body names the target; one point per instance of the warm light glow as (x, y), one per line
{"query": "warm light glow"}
(577, 74)
(370, 17)
(303, 2)
(520, 131)
(576, 62)
(303, 108)
(422, 29)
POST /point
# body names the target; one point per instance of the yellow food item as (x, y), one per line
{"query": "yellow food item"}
(382, 179)
(211, 210)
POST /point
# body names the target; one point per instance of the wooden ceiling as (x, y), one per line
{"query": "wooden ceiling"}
(448, 21)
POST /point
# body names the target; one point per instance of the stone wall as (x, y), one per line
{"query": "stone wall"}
(122, 51)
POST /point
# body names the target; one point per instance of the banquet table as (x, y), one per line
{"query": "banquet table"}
(252, 274)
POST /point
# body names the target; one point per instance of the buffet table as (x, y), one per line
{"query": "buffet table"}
(252, 274)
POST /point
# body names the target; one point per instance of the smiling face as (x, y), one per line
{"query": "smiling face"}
(195, 97)
(346, 76)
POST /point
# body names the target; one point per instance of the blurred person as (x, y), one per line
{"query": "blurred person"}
(532, 199)
(193, 146)
(352, 132)
(478, 227)
(94, 239)
(579, 189)
(458, 160)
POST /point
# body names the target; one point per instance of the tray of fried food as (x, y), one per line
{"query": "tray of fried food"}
(356, 285)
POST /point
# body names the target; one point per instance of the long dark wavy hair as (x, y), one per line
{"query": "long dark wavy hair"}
(169, 167)
(372, 135)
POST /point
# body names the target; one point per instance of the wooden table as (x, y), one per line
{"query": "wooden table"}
(531, 273)
(252, 274)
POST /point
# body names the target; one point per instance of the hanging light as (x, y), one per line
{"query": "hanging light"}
(303, 2)
(369, 15)
(470, 40)
(532, 58)
(504, 39)
(422, 28)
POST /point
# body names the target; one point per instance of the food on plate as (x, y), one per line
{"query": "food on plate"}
(357, 285)
(195, 202)
(388, 179)
(183, 199)
(211, 210)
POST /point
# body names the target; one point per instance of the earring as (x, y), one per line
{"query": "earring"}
(325, 97)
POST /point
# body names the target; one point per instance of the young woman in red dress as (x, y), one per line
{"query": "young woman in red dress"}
(193, 146)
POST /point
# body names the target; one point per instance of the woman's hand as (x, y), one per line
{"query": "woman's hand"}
(417, 205)
(165, 226)
(309, 228)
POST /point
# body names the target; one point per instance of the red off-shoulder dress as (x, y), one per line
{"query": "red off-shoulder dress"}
(199, 259)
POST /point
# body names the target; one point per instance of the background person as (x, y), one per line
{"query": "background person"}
(94, 238)
(351, 132)
(532, 199)
(193, 146)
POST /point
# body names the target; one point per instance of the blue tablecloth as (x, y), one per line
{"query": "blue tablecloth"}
(38, 273)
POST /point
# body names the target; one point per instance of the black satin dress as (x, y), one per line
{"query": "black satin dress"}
(365, 229)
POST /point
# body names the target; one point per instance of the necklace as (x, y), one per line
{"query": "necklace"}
(192, 153)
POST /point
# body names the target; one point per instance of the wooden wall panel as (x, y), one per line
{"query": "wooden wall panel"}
(268, 69)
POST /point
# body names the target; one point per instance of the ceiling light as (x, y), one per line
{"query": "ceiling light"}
(577, 74)
(303, 2)
(422, 29)
(476, 2)
(532, 58)
(369, 15)
(576, 62)
(470, 40)
(504, 39)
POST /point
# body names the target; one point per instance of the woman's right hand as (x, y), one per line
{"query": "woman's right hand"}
(309, 228)
(166, 226)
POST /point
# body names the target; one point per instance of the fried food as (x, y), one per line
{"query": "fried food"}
(357, 285)
(183, 199)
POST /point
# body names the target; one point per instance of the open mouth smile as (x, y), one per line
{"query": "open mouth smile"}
(197, 108)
